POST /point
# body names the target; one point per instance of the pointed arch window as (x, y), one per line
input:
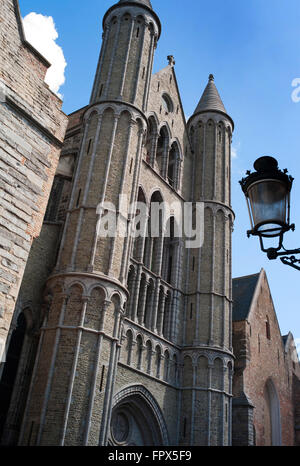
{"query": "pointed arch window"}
(167, 103)
(140, 226)
(152, 250)
(170, 253)
(162, 151)
(130, 287)
(174, 166)
(151, 143)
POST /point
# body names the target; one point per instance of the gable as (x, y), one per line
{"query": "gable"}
(243, 289)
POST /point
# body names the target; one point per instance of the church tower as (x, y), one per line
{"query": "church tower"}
(70, 396)
(207, 356)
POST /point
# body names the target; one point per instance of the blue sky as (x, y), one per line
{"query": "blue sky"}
(252, 48)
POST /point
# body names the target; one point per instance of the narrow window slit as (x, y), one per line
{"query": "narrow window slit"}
(89, 147)
(78, 198)
(191, 311)
(102, 378)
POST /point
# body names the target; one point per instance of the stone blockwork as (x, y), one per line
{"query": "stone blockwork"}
(135, 334)
(31, 134)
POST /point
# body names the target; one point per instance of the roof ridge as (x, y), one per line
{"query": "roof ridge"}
(247, 276)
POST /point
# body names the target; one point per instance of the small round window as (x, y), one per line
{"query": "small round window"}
(167, 103)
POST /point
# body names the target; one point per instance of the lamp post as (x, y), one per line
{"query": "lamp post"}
(267, 192)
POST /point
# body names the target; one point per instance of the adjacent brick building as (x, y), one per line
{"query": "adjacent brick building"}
(32, 129)
(132, 341)
(267, 373)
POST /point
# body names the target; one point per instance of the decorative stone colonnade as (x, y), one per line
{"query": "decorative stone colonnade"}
(80, 338)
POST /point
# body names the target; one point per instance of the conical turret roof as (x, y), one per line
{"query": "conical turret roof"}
(143, 2)
(210, 99)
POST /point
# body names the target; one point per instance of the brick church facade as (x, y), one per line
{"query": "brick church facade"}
(131, 339)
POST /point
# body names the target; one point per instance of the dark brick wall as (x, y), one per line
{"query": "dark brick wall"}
(261, 357)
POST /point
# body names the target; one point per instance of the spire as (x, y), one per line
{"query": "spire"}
(210, 99)
(143, 2)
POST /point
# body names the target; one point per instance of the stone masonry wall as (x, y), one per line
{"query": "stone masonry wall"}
(32, 130)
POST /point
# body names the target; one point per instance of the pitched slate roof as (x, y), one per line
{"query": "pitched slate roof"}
(284, 339)
(243, 289)
(144, 2)
(210, 99)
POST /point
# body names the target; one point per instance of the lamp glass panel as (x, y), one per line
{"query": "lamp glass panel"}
(268, 201)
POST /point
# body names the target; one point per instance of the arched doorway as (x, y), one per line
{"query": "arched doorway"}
(272, 415)
(136, 419)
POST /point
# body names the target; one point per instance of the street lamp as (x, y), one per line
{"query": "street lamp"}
(267, 192)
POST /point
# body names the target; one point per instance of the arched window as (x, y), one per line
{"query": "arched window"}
(149, 355)
(272, 419)
(167, 323)
(149, 304)
(142, 299)
(167, 103)
(152, 250)
(140, 224)
(158, 361)
(171, 244)
(128, 348)
(166, 365)
(174, 162)
(139, 352)
(151, 142)
(162, 151)
(130, 287)
(175, 370)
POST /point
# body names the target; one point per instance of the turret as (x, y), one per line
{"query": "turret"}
(131, 30)
(208, 360)
(80, 339)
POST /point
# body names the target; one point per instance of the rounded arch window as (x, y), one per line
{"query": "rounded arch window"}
(167, 103)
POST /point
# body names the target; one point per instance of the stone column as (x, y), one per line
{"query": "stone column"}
(142, 303)
(161, 313)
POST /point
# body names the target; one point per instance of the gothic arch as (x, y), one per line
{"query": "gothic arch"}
(90, 114)
(162, 149)
(165, 126)
(137, 419)
(130, 286)
(173, 168)
(96, 285)
(76, 284)
(152, 137)
(128, 347)
(273, 406)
